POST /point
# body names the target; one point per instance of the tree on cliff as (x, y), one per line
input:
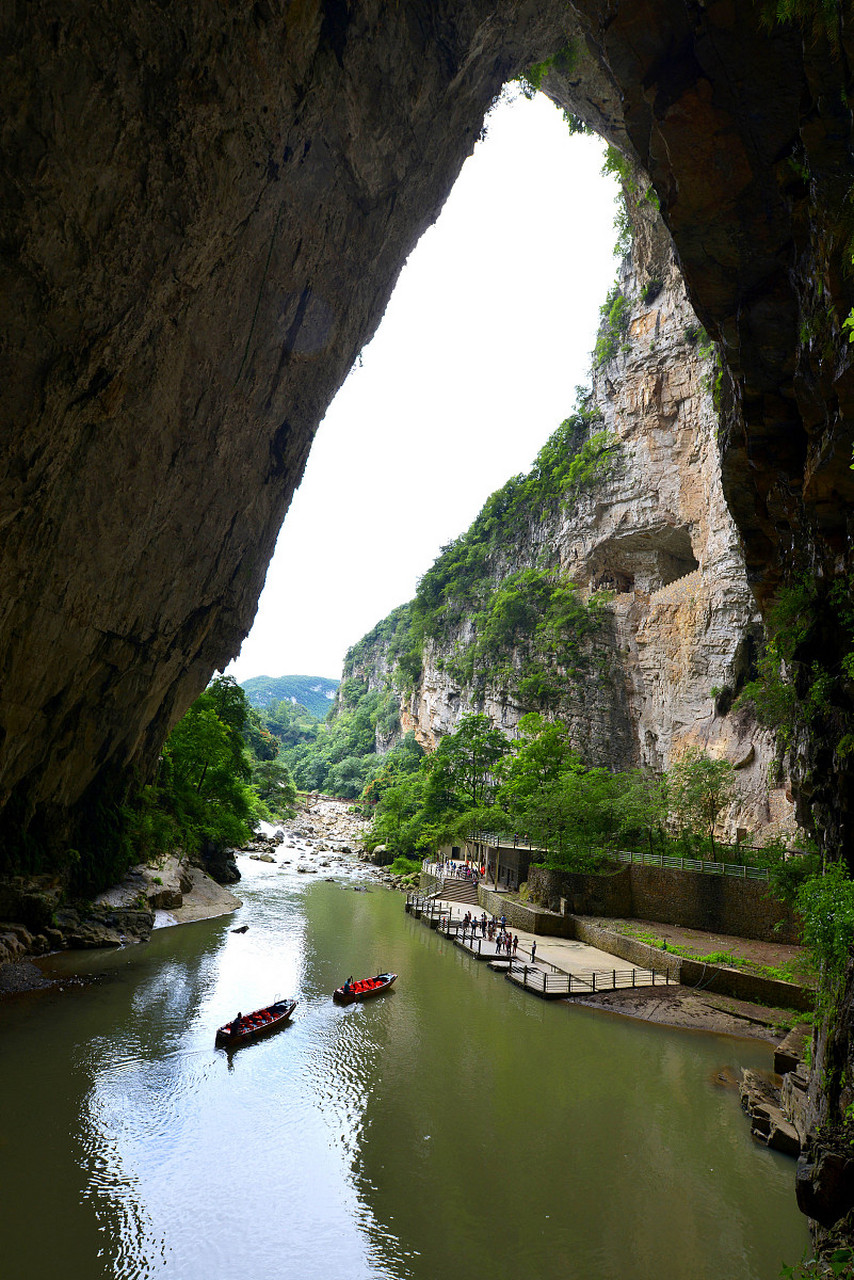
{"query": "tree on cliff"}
(464, 770)
(642, 806)
(203, 782)
(700, 790)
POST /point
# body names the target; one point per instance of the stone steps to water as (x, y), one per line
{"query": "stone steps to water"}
(458, 889)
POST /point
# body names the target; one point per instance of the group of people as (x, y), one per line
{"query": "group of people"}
(493, 930)
(462, 870)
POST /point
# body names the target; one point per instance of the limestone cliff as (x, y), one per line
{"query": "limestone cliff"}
(655, 533)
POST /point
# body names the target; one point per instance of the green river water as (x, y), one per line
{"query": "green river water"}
(455, 1127)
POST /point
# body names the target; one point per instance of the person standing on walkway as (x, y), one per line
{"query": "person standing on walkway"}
(533, 952)
(515, 942)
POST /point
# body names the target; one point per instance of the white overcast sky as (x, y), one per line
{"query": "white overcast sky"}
(486, 337)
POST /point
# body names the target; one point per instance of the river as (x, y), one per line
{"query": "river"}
(455, 1127)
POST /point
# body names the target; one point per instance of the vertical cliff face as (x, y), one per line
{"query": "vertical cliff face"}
(758, 217)
(680, 628)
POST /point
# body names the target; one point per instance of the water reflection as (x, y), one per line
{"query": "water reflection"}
(453, 1126)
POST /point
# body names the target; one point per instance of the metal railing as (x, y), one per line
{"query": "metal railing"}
(540, 976)
(735, 869)
(586, 982)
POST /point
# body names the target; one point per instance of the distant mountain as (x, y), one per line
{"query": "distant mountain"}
(315, 693)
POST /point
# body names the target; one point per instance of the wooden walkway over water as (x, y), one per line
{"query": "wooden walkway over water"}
(539, 976)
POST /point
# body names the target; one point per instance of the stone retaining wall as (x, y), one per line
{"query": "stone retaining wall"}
(521, 915)
(715, 904)
(692, 973)
(583, 895)
(637, 953)
(429, 883)
(746, 986)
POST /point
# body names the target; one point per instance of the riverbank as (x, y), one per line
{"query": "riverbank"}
(324, 836)
(678, 1006)
(673, 1005)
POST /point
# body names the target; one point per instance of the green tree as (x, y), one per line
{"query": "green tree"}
(464, 770)
(542, 754)
(641, 806)
(826, 905)
(290, 723)
(205, 771)
(275, 786)
(700, 790)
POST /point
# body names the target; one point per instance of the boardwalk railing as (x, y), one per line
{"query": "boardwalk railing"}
(557, 984)
(541, 977)
(735, 869)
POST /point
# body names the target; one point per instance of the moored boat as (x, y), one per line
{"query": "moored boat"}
(349, 991)
(252, 1026)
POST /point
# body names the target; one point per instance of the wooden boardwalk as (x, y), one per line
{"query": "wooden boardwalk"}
(557, 985)
(542, 978)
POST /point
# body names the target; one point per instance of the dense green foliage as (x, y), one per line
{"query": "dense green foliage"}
(464, 574)
(700, 790)
(529, 630)
(536, 636)
(211, 788)
(314, 693)
(341, 756)
(826, 905)
(794, 687)
(289, 723)
(614, 318)
(538, 786)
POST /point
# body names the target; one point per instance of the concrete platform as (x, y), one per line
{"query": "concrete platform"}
(564, 954)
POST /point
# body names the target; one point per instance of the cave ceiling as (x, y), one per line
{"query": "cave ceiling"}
(204, 210)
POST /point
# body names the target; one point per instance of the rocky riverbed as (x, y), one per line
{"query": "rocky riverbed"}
(326, 837)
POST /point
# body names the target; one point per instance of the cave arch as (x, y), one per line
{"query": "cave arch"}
(203, 218)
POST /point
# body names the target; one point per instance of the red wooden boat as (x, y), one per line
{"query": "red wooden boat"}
(252, 1026)
(365, 987)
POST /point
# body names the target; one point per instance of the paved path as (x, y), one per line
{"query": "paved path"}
(564, 954)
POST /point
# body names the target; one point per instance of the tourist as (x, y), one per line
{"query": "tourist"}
(515, 942)
(533, 952)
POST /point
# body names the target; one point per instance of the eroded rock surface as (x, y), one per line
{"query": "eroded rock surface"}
(656, 534)
(203, 215)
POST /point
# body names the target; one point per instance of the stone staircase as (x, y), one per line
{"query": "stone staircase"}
(458, 889)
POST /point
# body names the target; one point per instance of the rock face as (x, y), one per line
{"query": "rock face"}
(202, 219)
(656, 533)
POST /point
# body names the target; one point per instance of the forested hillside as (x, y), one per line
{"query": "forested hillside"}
(315, 693)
